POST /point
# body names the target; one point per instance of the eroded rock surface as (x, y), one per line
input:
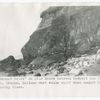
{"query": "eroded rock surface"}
(64, 32)
(65, 43)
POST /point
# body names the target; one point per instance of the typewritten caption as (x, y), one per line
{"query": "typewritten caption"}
(25, 82)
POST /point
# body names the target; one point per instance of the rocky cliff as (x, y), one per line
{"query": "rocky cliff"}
(65, 34)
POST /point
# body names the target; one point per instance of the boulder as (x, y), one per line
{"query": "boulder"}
(37, 74)
(61, 70)
(7, 64)
(75, 72)
(10, 65)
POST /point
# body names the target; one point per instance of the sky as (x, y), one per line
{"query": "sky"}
(17, 23)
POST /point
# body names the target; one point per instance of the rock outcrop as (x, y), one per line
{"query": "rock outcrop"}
(64, 32)
(10, 66)
(65, 43)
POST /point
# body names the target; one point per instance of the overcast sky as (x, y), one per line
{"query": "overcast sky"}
(17, 22)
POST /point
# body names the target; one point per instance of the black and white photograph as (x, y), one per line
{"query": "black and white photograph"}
(45, 40)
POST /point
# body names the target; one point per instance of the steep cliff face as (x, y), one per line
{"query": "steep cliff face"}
(65, 43)
(64, 32)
